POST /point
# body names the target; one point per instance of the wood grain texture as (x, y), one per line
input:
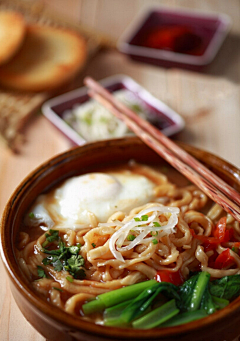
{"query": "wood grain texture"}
(209, 102)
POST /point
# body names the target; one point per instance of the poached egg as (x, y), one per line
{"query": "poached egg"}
(102, 194)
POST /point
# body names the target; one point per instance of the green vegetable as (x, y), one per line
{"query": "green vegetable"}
(93, 245)
(191, 292)
(130, 237)
(157, 316)
(183, 318)
(31, 215)
(141, 306)
(112, 315)
(88, 118)
(115, 297)
(52, 236)
(63, 257)
(207, 302)
(227, 287)
(220, 302)
(144, 217)
(137, 219)
(58, 289)
(58, 266)
(141, 303)
(156, 224)
(155, 241)
(135, 107)
(70, 279)
(41, 272)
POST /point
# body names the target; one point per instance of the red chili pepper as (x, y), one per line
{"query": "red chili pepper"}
(212, 259)
(209, 243)
(237, 245)
(192, 232)
(175, 278)
(220, 230)
(224, 260)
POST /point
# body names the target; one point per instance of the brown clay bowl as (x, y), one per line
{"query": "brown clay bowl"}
(56, 325)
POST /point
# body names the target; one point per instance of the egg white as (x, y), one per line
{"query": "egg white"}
(72, 203)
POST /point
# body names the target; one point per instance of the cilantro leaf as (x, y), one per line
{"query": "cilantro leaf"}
(75, 262)
(58, 266)
(52, 236)
(41, 272)
(80, 274)
(74, 250)
(63, 257)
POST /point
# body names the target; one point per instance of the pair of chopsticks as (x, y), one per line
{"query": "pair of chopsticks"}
(214, 187)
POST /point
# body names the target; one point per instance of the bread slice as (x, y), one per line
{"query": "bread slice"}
(12, 32)
(48, 58)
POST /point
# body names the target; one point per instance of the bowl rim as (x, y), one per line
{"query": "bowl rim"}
(60, 316)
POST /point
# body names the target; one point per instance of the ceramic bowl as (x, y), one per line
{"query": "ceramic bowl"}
(53, 323)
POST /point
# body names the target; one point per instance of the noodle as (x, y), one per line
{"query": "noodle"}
(161, 238)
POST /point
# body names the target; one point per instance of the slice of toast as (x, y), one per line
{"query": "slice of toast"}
(12, 33)
(48, 58)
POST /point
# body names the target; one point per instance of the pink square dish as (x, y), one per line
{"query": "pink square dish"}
(209, 29)
(159, 114)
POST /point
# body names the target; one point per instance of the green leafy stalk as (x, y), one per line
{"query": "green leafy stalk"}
(207, 302)
(156, 317)
(141, 303)
(183, 318)
(220, 303)
(191, 292)
(112, 315)
(115, 297)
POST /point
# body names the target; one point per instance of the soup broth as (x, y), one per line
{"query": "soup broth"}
(104, 231)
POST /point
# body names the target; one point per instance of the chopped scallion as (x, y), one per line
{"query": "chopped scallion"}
(137, 219)
(156, 224)
(69, 279)
(130, 237)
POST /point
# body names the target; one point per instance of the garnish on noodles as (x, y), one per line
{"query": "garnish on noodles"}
(157, 218)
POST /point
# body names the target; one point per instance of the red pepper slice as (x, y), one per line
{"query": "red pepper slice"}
(220, 231)
(175, 278)
(224, 260)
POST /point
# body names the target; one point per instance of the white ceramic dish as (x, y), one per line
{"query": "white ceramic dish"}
(55, 108)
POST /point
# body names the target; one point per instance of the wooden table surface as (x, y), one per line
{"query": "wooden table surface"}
(209, 102)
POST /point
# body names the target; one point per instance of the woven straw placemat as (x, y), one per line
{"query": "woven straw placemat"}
(17, 107)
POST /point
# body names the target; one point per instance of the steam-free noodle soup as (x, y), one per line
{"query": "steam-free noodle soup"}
(122, 227)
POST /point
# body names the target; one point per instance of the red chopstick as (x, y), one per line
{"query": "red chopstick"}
(207, 181)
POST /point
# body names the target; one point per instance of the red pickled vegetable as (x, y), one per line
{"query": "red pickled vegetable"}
(175, 278)
(224, 260)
